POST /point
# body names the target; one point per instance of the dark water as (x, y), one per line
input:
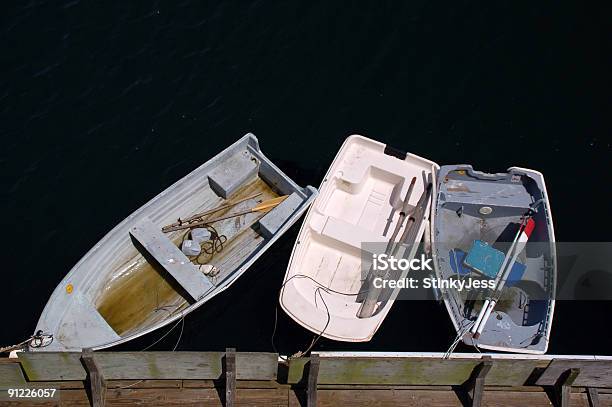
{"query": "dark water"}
(102, 107)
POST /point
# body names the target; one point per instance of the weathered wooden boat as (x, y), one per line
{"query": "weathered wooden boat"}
(361, 200)
(136, 279)
(496, 228)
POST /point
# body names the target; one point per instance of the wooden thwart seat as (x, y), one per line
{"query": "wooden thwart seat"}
(163, 250)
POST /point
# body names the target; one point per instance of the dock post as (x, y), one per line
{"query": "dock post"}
(593, 396)
(475, 384)
(95, 379)
(563, 387)
(313, 375)
(230, 377)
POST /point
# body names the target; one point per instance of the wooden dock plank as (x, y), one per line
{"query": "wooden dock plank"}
(11, 376)
(256, 365)
(287, 397)
(160, 365)
(395, 371)
(364, 370)
(50, 366)
(509, 372)
(413, 371)
(593, 373)
(419, 398)
(178, 397)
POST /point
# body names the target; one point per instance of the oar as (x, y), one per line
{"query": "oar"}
(406, 208)
(517, 247)
(402, 216)
(208, 212)
(263, 207)
(368, 307)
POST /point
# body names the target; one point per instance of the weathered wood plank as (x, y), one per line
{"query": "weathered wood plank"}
(50, 366)
(180, 397)
(95, 379)
(563, 386)
(296, 370)
(286, 396)
(230, 377)
(144, 384)
(67, 385)
(180, 365)
(419, 398)
(160, 365)
(11, 376)
(478, 381)
(240, 384)
(412, 371)
(509, 372)
(256, 365)
(593, 397)
(360, 370)
(313, 374)
(593, 373)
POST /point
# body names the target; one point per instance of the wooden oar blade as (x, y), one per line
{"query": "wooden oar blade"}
(269, 204)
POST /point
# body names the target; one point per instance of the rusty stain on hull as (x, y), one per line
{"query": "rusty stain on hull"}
(138, 295)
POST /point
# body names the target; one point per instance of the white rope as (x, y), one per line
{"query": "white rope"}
(460, 333)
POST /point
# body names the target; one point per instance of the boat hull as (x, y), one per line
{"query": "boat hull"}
(477, 209)
(358, 203)
(116, 293)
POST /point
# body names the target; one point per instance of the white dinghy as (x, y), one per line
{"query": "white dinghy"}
(138, 278)
(361, 200)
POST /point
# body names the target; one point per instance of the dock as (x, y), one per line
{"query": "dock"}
(234, 378)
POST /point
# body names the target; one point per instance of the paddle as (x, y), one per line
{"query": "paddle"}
(263, 207)
(195, 217)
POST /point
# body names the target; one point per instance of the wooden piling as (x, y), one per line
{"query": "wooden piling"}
(313, 375)
(476, 383)
(95, 379)
(230, 377)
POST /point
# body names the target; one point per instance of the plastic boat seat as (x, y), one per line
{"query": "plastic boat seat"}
(349, 233)
(163, 250)
(360, 164)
